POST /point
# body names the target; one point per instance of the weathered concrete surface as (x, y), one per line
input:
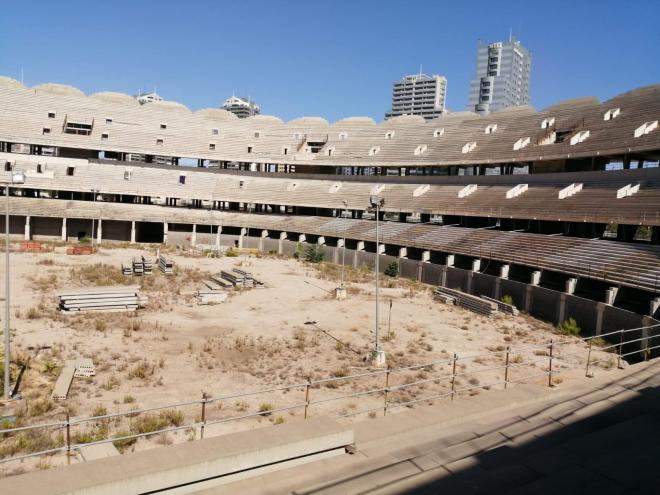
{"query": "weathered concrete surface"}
(179, 464)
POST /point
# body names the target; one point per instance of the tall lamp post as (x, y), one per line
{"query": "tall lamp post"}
(378, 356)
(16, 178)
(94, 192)
(343, 246)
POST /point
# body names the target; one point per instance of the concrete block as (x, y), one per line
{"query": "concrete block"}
(504, 271)
(403, 252)
(450, 260)
(571, 283)
(476, 265)
(426, 256)
(360, 246)
(536, 277)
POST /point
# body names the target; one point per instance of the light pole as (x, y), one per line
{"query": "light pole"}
(343, 246)
(378, 357)
(16, 178)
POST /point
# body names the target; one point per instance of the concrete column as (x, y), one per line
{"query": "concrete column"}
(470, 278)
(380, 249)
(64, 236)
(420, 267)
(561, 309)
(217, 237)
(426, 256)
(302, 238)
(450, 260)
(193, 237)
(476, 265)
(133, 232)
(536, 277)
(26, 235)
(99, 231)
(571, 283)
(165, 228)
(360, 246)
(610, 295)
(321, 240)
(528, 297)
(355, 258)
(653, 307)
(280, 244)
(443, 276)
(264, 234)
(403, 252)
(600, 311)
(241, 237)
(504, 271)
(340, 243)
(497, 288)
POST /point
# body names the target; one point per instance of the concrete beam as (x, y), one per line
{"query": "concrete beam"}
(504, 271)
(340, 243)
(610, 295)
(381, 249)
(426, 256)
(99, 231)
(476, 265)
(653, 307)
(165, 229)
(360, 246)
(264, 233)
(302, 238)
(450, 260)
(321, 240)
(283, 235)
(536, 277)
(193, 237)
(403, 252)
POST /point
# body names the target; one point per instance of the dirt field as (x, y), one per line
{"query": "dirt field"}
(174, 349)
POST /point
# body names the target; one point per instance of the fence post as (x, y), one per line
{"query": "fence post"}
(618, 359)
(309, 383)
(453, 377)
(506, 366)
(68, 437)
(201, 430)
(550, 363)
(387, 389)
(586, 371)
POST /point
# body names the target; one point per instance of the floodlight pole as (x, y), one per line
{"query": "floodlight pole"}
(376, 346)
(7, 382)
(93, 218)
(343, 250)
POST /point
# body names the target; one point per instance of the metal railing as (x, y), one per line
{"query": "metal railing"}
(548, 362)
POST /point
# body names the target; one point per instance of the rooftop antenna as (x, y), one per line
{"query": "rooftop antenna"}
(510, 34)
(420, 69)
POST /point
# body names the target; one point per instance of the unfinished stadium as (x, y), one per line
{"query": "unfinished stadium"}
(553, 212)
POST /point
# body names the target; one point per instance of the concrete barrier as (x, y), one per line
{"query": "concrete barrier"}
(190, 466)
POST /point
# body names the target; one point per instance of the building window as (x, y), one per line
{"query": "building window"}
(40, 168)
(51, 115)
(285, 151)
(104, 137)
(249, 149)
(374, 150)
(389, 134)
(468, 147)
(108, 121)
(612, 113)
(81, 128)
(46, 130)
(182, 179)
(438, 132)
(163, 126)
(70, 171)
(645, 128)
(490, 129)
(128, 174)
(240, 184)
(212, 146)
(159, 141)
(257, 134)
(7, 166)
(343, 136)
(547, 123)
(215, 132)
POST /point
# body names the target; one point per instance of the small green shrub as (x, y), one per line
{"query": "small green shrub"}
(231, 253)
(507, 299)
(265, 408)
(314, 253)
(569, 327)
(392, 269)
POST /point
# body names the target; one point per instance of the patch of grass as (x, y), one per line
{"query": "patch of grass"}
(129, 399)
(265, 408)
(569, 327)
(150, 422)
(507, 299)
(98, 274)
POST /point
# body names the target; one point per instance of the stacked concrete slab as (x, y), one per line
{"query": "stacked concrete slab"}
(468, 301)
(165, 264)
(507, 309)
(73, 368)
(112, 298)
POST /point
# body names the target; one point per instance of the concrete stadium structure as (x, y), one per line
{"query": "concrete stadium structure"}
(518, 197)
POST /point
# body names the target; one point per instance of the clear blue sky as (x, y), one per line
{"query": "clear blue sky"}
(330, 58)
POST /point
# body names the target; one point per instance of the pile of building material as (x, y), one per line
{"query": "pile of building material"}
(468, 301)
(142, 266)
(80, 249)
(166, 265)
(240, 279)
(113, 298)
(33, 247)
(83, 367)
(507, 309)
(213, 291)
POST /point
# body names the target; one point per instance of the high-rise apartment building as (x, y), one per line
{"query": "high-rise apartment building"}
(419, 94)
(502, 77)
(241, 107)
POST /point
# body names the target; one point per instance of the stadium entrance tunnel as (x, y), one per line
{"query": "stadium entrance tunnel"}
(149, 232)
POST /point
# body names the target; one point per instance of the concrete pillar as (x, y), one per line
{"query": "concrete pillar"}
(600, 311)
(504, 271)
(133, 232)
(241, 237)
(165, 229)
(64, 236)
(340, 243)
(264, 234)
(571, 283)
(470, 278)
(528, 297)
(360, 246)
(536, 277)
(403, 252)
(380, 249)
(420, 268)
(26, 235)
(443, 276)
(497, 288)
(321, 240)
(450, 260)
(561, 309)
(653, 307)
(476, 265)
(426, 256)
(99, 231)
(193, 237)
(610, 295)
(302, 238)
(280, 244)
(355, 258)
(217, 237)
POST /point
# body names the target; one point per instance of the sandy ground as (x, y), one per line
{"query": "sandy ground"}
(175, 350)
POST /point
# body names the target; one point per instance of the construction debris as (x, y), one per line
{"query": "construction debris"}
(468, 301)
(78, 368)
(507, 309)
(33, 247)
(77, 250)
(138, 267)
(165, 264)
(239, 279)
(113, 298)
